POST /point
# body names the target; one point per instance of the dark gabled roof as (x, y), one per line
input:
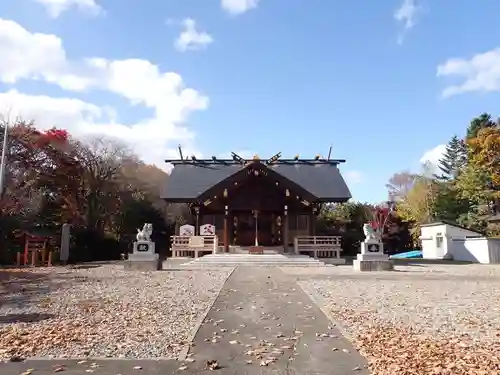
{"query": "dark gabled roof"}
(188, 180)
(324, 181)
(448, 222)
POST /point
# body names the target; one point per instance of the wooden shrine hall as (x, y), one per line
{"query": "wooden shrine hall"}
(255, 203)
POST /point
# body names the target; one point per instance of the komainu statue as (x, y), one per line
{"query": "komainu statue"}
(145, 233)
(370, 233)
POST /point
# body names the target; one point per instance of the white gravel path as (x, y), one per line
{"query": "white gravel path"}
(425, 319)
(438, 300)
(104, 311)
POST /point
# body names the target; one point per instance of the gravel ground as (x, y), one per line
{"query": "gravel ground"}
(425, 319)
(102, 311)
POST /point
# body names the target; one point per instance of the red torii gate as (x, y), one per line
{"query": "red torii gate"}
(35, 251)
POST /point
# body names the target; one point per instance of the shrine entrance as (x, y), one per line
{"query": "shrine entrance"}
(263, 225)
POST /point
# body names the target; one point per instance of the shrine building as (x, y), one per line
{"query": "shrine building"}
(256, 202)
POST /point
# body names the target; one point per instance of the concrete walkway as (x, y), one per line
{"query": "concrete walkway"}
(262, 316)
(262, 323)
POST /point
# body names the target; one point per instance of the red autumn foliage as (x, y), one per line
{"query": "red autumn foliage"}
(380, 215)
(40, 162)
(53, 137)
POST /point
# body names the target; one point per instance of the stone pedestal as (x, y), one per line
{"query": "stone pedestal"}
(144, 247)
(144, 257)
(372, 258)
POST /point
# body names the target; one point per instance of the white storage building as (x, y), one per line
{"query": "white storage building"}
(443, 240)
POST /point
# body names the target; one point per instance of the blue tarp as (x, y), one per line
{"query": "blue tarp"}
(408, 255)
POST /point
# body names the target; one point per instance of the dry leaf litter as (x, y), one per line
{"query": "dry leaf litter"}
(440, 319)
(103, 311)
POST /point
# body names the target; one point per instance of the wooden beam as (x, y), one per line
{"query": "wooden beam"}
(246, 161)
(285, 229)
(226, 229)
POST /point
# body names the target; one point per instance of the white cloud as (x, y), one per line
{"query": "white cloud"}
(191, 39)
(353, 177)
(34, 56)
(56, 7)
(48, 111)
(27, 55)
(236, 7)
(479, 73)
(406, 15)
(430, 159)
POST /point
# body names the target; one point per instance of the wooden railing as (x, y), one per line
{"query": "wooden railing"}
(318, 246)
(193, 246)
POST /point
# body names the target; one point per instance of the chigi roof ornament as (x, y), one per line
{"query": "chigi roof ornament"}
(273, 159)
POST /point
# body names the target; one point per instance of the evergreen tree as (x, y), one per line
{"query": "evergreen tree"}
(454, 158)
(478, 123)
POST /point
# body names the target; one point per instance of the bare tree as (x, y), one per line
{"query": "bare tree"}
(102, 159)
(400, 184)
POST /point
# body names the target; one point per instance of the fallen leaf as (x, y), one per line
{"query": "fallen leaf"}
(212, 365)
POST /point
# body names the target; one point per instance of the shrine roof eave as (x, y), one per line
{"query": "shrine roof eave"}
(198, 200)
(180, 199)
(187, 182)
(332, 200)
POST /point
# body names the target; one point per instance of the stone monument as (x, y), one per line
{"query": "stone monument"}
(65, 241)
(144, 257)
(372, 257)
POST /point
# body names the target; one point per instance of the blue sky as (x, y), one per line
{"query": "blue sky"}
(383, 82)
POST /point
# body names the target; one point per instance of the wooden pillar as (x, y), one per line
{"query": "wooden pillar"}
(230, 228)
(226, 229)
(273, 228)
(285, 229)
(197, 222)
(315, 220)
(312, 223)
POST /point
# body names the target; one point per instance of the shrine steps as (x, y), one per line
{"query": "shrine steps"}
(256, 259)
